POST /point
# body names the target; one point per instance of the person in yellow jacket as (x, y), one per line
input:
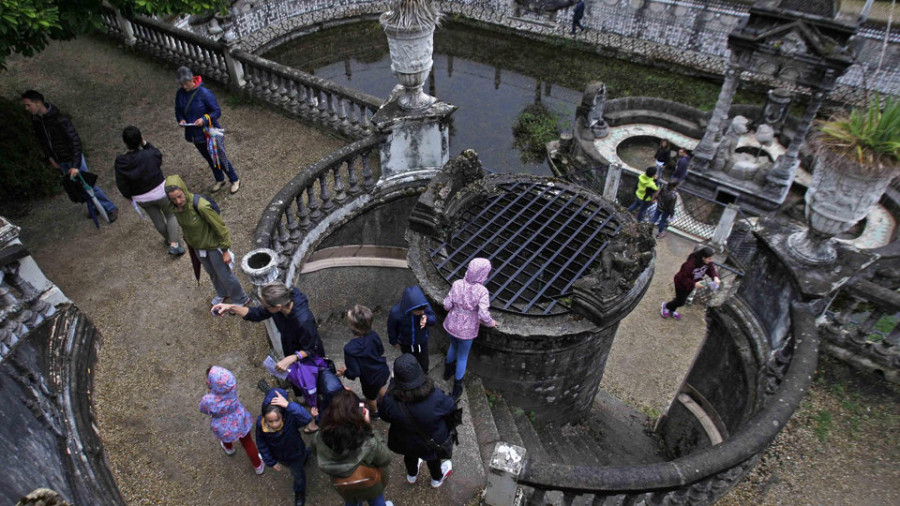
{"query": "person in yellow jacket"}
(207, 238)
(646, 192)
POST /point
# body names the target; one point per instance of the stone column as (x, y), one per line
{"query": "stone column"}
(781, 175)
(723, 228)
(235, 68)
(507, 463)
(613, 177)
(127, 29)
(706, 149)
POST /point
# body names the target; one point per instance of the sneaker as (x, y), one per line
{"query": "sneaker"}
(262, 465)
(412, 479)
(263, 386)
(235, 186)
(217, 300)
(663, 311)
(661, 235)
(227, 451)
(676, 315)
(447, 469)
(177, 250)
(218, 186)
(388, 503)
(113, 216)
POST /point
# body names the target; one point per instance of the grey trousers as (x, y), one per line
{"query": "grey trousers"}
(163, 219)
(223, 279)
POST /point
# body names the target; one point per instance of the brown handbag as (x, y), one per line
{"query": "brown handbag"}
(363, 477)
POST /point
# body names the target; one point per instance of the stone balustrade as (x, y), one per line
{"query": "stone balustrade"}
(325, 187)
(697, 478)
(692, 34)
(861, 328)
(343, 110)
(308, 97)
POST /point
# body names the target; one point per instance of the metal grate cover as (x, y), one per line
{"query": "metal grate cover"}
(540, 239)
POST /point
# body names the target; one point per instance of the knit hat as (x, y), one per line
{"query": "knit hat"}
(407, 372)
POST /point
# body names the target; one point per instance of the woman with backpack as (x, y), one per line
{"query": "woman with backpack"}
(665, 207)
(351, 453)
(417, 412)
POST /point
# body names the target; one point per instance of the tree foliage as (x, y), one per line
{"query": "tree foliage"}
(27, 26)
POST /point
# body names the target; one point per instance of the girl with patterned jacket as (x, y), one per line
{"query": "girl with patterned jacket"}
(230, 419)
(468, 304)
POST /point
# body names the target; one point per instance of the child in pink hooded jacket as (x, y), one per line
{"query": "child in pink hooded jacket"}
(230, 419)
(468, 304)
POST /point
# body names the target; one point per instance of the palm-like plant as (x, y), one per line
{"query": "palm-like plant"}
(868, 139)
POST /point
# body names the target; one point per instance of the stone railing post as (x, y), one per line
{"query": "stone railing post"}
(235, 68)
(507, 462)
(613, 177)
(723, 228)
(261, 266)
(127, 29)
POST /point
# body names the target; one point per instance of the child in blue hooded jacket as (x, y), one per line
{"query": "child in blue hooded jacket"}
(408, 323)
(279, 441)
(364, 357)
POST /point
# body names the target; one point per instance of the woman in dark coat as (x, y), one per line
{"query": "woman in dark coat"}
(412, 396)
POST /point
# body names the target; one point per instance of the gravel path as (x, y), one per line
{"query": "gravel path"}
(159, 337)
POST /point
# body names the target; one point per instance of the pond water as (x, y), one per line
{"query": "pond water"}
(492, 77)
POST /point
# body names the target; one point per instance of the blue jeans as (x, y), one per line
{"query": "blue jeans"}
(459, 353)
(642, 204)
(104, 200)
(299, 473)
(227, 168)
(662, 217)
(378, 501)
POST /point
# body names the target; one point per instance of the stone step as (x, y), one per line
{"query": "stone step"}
(570, 444)
(530, 438)
(482, 418)
(623, 432)
(503, 419)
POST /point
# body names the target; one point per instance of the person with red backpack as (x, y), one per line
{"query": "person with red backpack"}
(207, 238)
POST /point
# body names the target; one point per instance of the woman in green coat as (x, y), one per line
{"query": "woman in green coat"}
(345, 442)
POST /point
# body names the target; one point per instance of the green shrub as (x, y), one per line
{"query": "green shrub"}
(25, 174)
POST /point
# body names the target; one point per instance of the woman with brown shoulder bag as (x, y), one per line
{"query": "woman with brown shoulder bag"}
(351, 453)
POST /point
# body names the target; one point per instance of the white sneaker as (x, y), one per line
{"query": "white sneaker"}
(388, 503)
(447, 470)
(262, 465)
(235, 186)
(412, 479)
(227, 451)
(218, 186)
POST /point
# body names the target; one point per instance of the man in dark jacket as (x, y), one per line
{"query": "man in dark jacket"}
(278, 438)
(408, 323)
(681, 168)
(140, 179)
(197, 110)
(62, 145)
(577, 16)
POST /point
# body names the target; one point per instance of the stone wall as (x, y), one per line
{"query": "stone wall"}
(688, 33)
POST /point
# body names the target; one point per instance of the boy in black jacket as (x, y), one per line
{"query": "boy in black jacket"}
(364, 357)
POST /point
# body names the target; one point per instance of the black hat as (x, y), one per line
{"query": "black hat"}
(407, 372)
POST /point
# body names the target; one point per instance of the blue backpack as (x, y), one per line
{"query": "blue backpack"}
(212, 203)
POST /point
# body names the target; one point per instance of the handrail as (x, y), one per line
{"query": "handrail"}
(755, 437)
(316, 192)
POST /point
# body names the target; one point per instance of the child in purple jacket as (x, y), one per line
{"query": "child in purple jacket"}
(468, 304)
(230, 419)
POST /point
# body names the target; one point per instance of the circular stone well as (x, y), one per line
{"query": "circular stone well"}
(567, 267)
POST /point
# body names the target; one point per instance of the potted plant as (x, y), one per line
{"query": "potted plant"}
(857, 156)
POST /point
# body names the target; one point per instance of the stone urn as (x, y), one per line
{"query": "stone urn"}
(409, 27)
(842, 193)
